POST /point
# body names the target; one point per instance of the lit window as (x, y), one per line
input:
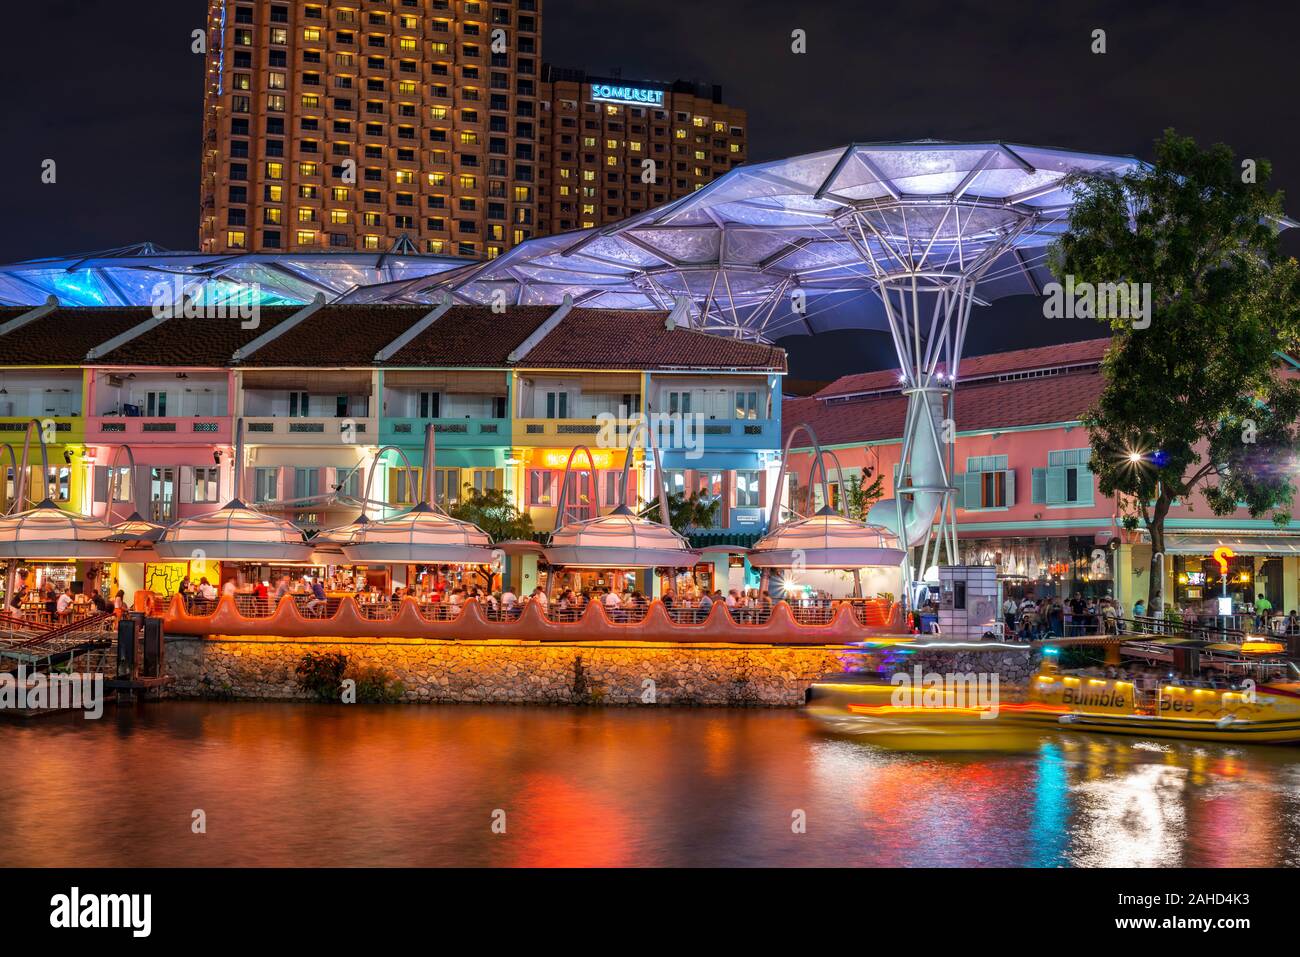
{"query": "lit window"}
(275, 171)
(338, 217)
(308, 169)
(306, 237)
(339, 194)
(275, 102)
(235, 239)
(311, 34)
(370, 241)
(404, 176)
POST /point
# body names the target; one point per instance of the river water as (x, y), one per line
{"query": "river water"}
(331, 785)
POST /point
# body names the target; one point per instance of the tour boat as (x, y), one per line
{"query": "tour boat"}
(1251, 712)
(912, 717)
(952, 712)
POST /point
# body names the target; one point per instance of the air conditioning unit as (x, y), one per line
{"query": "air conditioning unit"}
(116, 381)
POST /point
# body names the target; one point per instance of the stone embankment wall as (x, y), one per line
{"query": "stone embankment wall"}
(1013, 666)
(507, 672)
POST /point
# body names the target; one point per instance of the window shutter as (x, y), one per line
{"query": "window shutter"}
(101, 483)
(1038, 487)
(1086, 485)
(963, 495)
(187, 484)
(141, 490)
(1056, 485)
(1011, 487)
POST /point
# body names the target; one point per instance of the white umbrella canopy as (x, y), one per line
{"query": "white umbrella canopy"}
(420, 536)
(619, 540)
(49, 532)
(826, 540)
(234, 532)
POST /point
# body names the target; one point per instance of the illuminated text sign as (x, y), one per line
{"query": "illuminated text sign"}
(641, 96)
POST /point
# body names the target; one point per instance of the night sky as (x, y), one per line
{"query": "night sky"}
(111, 91)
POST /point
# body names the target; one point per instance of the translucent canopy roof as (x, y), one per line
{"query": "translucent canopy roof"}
(833, 224)
(127, 276)
(419, 536)
(825, 540)
(136, 529)
(619, 540)
(49, 532)
(234, 532)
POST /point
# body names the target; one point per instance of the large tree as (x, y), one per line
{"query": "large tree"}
(1196, 396)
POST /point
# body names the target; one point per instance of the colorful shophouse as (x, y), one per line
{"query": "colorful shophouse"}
(1026, 499)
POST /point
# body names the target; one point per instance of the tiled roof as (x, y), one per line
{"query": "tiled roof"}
(194, 342)
(471, 336)
(1019, 360)
(638, 339)
(64, 336)
(980, 406)
(349, 336)
(338, 336)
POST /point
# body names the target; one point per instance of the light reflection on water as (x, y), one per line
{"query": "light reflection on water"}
(330, 785)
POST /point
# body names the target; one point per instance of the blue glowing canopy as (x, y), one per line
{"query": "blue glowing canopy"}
(128, 276)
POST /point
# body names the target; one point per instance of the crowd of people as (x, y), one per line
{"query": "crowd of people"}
(1032, 618)
(61, 605)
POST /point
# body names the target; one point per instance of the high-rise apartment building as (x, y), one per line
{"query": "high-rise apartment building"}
(357, 124)
(346, 125)
(616, 147)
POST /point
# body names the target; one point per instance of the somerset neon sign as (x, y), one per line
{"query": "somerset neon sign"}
(637, 95)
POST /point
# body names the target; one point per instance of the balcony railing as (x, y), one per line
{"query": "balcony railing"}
(207, 426)
(451, 428)
(316, 430)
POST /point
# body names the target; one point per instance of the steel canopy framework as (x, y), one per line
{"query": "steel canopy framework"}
(895, 236)
(838, 227)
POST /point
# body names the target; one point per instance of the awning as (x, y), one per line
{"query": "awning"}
(1206, 543)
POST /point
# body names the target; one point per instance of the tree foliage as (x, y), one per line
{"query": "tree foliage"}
(861, 492)
(494, 511)
(1197, 399)
(685, 513)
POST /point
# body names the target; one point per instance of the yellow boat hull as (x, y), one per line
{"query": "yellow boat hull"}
(874, 712)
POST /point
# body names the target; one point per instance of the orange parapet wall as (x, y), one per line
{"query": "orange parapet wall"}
(594, 625)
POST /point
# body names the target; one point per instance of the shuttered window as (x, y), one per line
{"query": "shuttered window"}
(986, 483)
(1067, 480)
